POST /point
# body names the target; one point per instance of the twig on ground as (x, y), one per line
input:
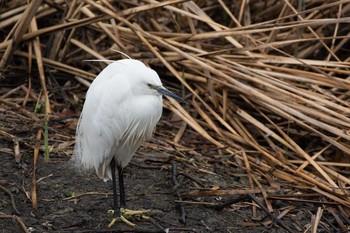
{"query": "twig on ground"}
(181, 206)
(232, 201)
(196, 180)
(139, 230)
(316, 219)
(272, 216)
(157, 224)
(35, 158)
(180, 229)
(86, 194)
(18, 219)
(12, 198)
(18, 156)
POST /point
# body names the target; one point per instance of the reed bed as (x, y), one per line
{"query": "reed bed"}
(267, 81)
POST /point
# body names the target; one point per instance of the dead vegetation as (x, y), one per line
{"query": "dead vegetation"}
(267, 81)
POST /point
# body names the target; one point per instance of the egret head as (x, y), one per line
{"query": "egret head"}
(147, 82)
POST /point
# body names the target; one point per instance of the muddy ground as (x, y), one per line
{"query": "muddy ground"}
(200, 167)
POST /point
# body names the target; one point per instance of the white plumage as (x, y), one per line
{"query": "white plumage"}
(121, 109)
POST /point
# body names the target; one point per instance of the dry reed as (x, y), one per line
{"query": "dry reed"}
(268, 81)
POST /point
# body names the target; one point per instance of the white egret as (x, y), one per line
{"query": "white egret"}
(122, 108)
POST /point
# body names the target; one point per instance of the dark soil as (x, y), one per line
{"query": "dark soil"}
(148, 186)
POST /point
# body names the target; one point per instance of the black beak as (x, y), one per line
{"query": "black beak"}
(162, 90)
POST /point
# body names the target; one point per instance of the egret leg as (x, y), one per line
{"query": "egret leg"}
(114, 187)
(121, 187)
(120, 213)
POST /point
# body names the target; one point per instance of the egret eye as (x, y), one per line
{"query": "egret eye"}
(150, 85)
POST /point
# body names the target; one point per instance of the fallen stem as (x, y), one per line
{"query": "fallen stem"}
(181, 206)
(12, 198)
(18, 219)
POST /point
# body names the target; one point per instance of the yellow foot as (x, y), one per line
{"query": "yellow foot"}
(127, 216)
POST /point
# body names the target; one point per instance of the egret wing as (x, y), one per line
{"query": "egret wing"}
(100, 125)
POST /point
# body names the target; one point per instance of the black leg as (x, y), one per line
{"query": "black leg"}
(121, 187)
(114, 186)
